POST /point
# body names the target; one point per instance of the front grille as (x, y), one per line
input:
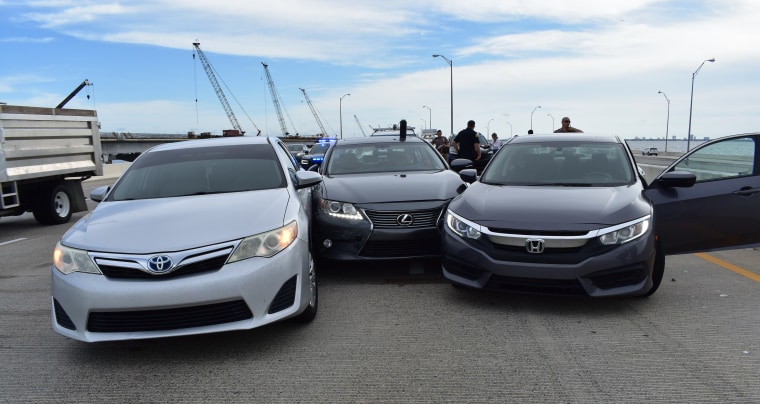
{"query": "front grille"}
(553, 256)
(61, 317)
(208, 265)
(568, 287)
(545, 233)
(389, 219)
(168, 319)
(401, 248)
(285, 297)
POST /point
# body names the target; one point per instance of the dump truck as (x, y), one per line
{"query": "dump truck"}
(45, 154)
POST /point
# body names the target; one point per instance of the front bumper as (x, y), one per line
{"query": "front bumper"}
(620, 271)
(242, 295)
(345, 240)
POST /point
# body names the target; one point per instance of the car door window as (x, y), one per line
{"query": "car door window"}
(731, 158)
(720, 210)
(292, 163)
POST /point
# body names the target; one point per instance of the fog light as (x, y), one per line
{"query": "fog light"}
(327, 243)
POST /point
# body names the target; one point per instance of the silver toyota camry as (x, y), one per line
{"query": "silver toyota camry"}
(198, 236)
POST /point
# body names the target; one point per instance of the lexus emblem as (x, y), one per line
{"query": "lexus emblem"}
(534, 245)
(405, 219)
(159, 263)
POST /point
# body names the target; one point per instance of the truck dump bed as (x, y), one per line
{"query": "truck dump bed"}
(40, 142)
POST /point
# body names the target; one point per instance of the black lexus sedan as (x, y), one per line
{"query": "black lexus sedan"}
(571, 214)
(382, 197)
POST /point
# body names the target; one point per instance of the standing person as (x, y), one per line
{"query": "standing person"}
(566, 126)
(495, 143)
(441, 144)
(466, 143)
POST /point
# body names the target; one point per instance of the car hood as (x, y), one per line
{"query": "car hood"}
(392, 187)
(173, 224)
(550, 208)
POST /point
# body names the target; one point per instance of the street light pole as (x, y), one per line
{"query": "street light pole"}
(691, 100)
(531, 117)
(667, 121)
(423, 123)
(430, 116)
(488, 127)
(552, 121)
(510, 129)
(451, 68)
(341, 115)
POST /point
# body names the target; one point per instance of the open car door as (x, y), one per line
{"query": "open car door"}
(709, 199)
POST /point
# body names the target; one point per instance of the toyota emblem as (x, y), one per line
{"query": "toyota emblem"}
(159, 263)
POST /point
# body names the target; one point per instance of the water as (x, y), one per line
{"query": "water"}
(674, 146)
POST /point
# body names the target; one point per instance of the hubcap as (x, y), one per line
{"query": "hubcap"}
(62, 204)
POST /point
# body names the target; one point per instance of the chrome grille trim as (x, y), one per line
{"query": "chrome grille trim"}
(124, 264)
(388, 219)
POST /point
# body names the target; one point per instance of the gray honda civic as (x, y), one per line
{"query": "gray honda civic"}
(572, 214)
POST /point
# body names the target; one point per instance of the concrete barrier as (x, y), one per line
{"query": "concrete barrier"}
(651, 171)
(111, 171)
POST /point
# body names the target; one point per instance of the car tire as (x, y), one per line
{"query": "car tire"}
(657, 272)
(53, 205)
(311, 310)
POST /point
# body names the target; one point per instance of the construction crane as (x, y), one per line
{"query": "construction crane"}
(219, 93)
(314, 111)
(276, 101)
(360, 126)
(73, 93)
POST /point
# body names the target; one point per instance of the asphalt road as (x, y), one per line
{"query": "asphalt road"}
(396, 333)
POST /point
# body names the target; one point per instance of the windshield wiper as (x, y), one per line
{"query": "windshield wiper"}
(561, 184)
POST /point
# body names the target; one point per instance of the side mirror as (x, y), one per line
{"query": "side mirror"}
(682, 179)
(305, 179)
(469, 175)
(99, 193)
(460, 164)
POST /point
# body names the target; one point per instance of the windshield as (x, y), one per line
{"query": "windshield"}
(197, 171)
(592, 164)
(296, 147)
(383, 157)
(320, 148)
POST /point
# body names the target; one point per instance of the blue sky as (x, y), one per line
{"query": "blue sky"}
(599, 62)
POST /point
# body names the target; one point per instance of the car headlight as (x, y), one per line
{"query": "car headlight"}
(464, 228)
(68, 260)
(266, 244)
(340, 210)
(625, 232)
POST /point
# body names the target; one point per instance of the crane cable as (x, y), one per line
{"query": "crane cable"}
(228, 91)
(195, 83)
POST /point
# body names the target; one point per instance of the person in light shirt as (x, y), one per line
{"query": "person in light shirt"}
(495, 142)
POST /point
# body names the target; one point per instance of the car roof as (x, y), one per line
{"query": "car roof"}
(571, 136)
(216, 141)
(379, 139)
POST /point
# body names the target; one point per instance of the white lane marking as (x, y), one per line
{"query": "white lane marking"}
(12, 241)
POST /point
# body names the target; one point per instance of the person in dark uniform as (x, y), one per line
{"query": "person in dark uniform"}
(466, 143)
